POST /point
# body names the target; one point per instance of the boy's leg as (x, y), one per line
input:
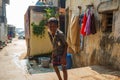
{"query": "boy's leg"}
(57, 72)
(65, 75)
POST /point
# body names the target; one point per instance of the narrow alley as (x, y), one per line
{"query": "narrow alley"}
(12, 69)
(46, 39)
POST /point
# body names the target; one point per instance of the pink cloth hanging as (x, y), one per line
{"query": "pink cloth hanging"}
(88, 24)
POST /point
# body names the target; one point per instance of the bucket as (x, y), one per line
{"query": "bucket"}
(45, 62)
(69, 60)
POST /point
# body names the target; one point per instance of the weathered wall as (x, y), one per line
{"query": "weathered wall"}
(100, 48)
(38, 45)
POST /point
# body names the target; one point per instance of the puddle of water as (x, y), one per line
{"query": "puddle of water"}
(39, 68)
(22, 64)
(30, 66)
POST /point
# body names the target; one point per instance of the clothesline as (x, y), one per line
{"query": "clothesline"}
(88, 23)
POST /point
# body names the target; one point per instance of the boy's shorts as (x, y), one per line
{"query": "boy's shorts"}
(56, 60)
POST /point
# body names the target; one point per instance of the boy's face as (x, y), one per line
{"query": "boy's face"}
(53, 27)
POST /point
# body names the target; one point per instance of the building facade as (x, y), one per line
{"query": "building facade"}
(103, 47)
(3, 22)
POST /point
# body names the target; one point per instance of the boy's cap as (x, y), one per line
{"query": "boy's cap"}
(53, 19)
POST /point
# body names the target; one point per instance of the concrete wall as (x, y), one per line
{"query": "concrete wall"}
(38, 45)
(100, 48)
(0, 3)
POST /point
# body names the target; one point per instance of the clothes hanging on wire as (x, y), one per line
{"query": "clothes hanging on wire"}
(93, 28)
(80, 19)
(88, 25)
(83, 25)
(73, 36)
(80, 24)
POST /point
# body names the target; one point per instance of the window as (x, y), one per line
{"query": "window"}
(107, 19)
(109, 22)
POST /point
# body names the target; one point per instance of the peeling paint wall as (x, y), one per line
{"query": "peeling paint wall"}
(100, 48)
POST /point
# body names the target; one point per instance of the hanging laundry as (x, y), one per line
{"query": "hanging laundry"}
(80, 19)
(88, 23)
(81, 36)
(93, 28)
(73, 35)
(83, 25)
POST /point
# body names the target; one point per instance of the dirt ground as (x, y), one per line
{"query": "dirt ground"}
(12, 68)
(9, 69)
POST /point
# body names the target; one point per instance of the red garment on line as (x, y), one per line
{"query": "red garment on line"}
(82, 31)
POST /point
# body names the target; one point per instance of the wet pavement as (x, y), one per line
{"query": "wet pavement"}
(14, 68)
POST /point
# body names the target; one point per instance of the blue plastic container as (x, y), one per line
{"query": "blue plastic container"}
(69, 60)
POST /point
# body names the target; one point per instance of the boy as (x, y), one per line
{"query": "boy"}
(59, 47)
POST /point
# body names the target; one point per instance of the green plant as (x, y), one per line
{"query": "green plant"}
(50, 12)
(39, 29)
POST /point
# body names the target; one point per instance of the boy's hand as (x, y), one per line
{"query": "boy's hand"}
(63, 61)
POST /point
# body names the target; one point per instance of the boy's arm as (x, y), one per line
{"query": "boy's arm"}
(65, 50)
(63, 60)
(64, 43)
